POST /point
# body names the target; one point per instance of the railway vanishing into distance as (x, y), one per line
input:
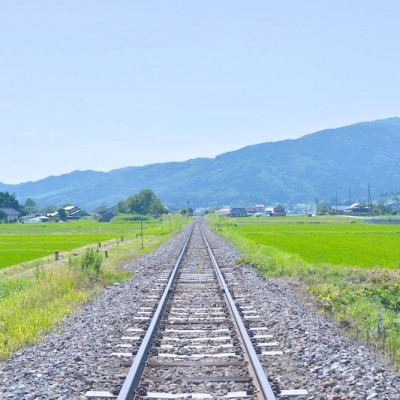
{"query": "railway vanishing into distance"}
(197, 336)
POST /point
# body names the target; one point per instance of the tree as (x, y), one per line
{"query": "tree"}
(323, 208)
(30, 206)
(3, 215)
(8, 200)
(187, 212)
(62, 214)
(143, 203)
(100, 209)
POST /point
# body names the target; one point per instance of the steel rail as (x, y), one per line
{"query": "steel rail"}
(132, 380)
(261, 377)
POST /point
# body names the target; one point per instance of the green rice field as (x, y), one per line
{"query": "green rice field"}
(350, 268)
(26, 242)
(338, 241)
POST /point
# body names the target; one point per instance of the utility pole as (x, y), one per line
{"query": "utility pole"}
(336, 201)
(369, 200)
(141, 230)
(349, 196)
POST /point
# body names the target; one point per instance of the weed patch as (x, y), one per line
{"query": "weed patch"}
(38, 296)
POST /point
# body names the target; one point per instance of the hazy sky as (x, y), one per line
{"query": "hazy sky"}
(96, 84)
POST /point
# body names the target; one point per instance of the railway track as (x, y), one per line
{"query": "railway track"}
(197, 336)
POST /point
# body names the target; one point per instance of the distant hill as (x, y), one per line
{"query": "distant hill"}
(288, 171)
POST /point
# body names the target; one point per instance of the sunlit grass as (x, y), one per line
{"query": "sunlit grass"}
(351, 268)
(26, 242)
(319, 241)
(37, 296)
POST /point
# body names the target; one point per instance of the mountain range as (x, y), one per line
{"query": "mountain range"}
(319, 165)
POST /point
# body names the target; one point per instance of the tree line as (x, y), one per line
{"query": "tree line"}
(8, 200)
(143, 203)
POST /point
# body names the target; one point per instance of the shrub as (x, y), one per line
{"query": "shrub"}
(91, 261)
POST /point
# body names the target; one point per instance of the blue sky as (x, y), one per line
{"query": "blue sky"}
(101, 84)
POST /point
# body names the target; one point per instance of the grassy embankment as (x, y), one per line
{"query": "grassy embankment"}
(352, 268)
(38, 294)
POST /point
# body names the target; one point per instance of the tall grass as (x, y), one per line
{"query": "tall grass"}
(33, 300)
(40, 302)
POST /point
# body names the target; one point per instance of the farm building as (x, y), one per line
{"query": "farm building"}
(11, 214)
(394, 206)
(260, 208)
(73, 212)
(237, 212)
(358, 208)
(222, 211)
(232, 212)
(340, 209)
(34, 219)
(107, 215)
(278, 211)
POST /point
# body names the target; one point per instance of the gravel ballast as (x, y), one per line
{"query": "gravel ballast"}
(76, 357)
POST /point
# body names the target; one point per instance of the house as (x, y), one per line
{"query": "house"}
(237, 212)
(26, 218)
(358, 208)
(260, 208)
(11, 214)
(73, 212)
(278, 211)
(393, 206)
(52, 215)
(222, 211)
(107, 215)
(340, 209)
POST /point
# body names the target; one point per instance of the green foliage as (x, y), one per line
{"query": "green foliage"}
(187, 212)
(323, 208)
(143, 203)
(131, 217)
(49, 209)
(30, 207)
(62, 214)
(8, 200)
(8, 287)
(91, 261)
(32, 305)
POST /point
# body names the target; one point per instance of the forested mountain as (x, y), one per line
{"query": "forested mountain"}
(288, 171)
